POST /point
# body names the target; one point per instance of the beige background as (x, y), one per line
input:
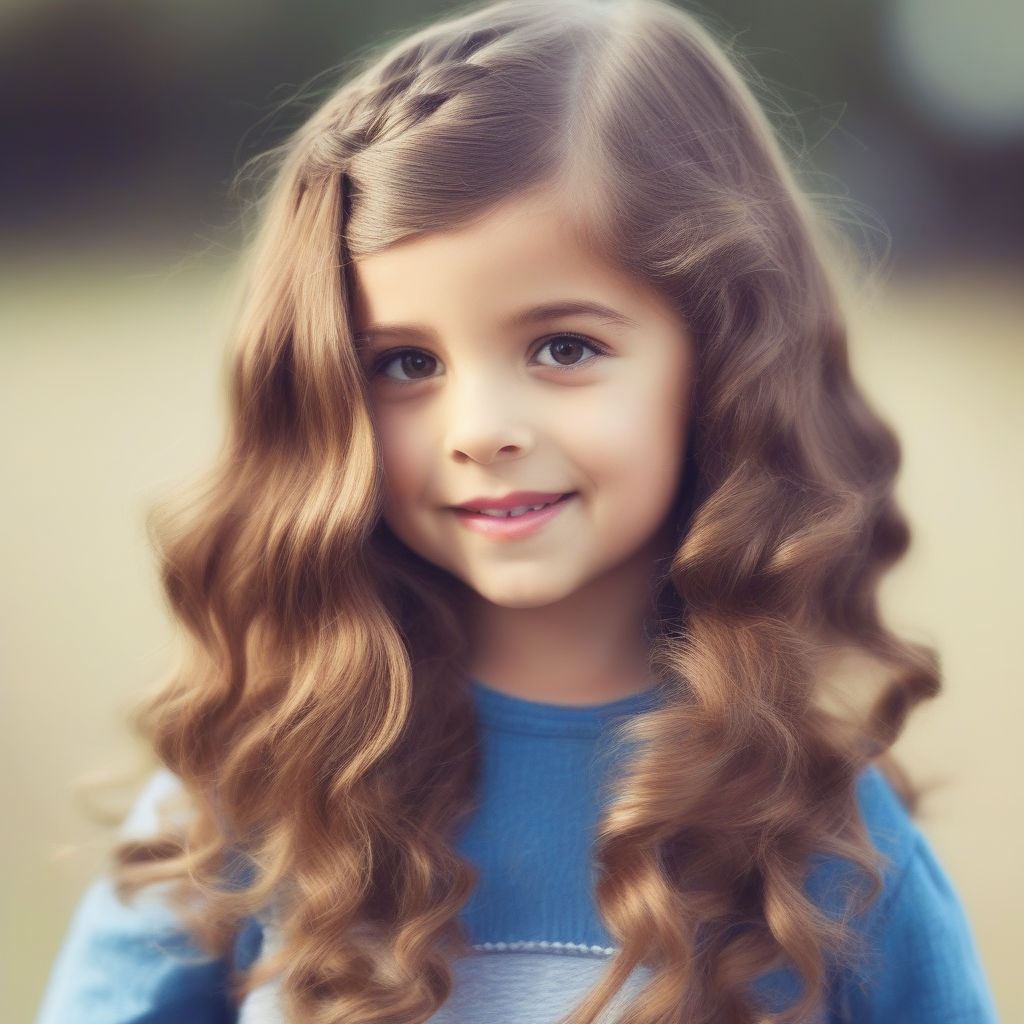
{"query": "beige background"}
(110, 393)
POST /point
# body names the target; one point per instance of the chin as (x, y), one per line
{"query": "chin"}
(519, 596)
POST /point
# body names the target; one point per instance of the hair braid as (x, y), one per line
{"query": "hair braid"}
(395, 98)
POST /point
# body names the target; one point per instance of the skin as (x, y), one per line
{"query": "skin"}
(467, 403)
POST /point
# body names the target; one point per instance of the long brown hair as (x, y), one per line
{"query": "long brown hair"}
(320, 721)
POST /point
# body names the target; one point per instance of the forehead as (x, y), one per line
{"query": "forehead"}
(529, 250)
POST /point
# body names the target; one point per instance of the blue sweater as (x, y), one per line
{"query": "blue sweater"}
(538, 941)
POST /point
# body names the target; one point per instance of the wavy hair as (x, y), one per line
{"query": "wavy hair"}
(320, 720)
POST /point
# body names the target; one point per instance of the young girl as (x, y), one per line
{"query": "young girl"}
(534, 667)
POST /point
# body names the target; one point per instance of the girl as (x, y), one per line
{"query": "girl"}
(522, 605)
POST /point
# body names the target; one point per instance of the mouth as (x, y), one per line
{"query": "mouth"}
(512, 512)
(515, 521)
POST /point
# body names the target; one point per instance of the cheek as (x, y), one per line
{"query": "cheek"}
(640, 438)
(404, 455)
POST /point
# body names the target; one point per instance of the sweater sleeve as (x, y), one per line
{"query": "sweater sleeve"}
(134, 963)
(921, 963)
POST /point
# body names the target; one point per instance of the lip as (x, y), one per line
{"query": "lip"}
(500, 528)
(514, 500)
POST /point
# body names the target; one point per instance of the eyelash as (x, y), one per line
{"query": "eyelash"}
(386, 358)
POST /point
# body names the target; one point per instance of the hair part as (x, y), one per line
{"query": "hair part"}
(321, 722)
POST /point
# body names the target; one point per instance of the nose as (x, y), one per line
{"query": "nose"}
(487, 420)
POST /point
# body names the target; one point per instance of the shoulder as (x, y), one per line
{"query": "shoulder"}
(135, 960)
(162, 793)
(889, 826)
(164, 800)
(893, 835)
(132, 962)
(918, 958)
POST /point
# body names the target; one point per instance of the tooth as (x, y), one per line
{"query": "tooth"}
(511, 513)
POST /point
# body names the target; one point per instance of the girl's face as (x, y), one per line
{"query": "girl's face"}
(509, 367)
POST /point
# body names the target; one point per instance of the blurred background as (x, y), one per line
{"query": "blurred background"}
(124, 124)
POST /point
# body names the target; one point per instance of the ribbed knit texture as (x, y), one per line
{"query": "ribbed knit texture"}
(532, 834)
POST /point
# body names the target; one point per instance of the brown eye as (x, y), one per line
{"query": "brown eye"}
(408, 365)
(568, 350)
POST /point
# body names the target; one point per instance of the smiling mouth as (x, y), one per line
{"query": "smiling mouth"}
(504, 525)
(515, 513)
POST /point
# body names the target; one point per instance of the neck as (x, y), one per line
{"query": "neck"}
(588, 648)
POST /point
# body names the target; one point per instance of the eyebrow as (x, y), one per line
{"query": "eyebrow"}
(557, 310)
(534, 315)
